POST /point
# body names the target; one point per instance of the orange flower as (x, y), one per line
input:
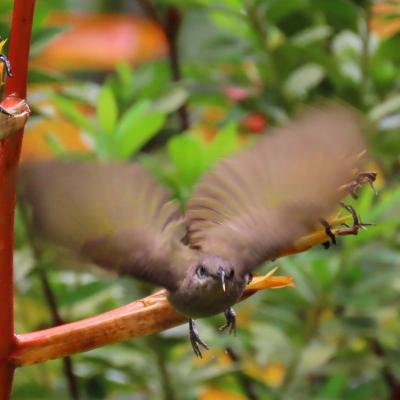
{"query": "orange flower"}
(268, 281)
(385, 21)
(211, 393)
(271, 374)
(99, 42)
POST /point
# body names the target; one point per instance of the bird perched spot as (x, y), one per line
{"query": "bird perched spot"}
(243, 212)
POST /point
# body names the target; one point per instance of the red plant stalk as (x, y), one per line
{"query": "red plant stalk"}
(9, 155)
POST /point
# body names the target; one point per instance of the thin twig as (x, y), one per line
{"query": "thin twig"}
(244, 381)
(148, 9)
(167, 389)
(313, 321)
(171, 26)
(154, 345)
(365, 53)
(258, 26)
(68, 366)
(51, 303)
(391, 380)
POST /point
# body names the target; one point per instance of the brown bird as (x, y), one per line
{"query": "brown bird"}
(245, 211)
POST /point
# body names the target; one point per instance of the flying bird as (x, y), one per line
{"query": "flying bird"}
(245, 211)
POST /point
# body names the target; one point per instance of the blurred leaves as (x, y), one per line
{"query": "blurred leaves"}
(137, 125)
(190, 156)
(303, 79)
(116, 134)
(107, 112)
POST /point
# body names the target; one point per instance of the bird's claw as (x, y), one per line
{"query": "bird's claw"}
(7, 65)
(348, 230)
(353, 187)
(360, 180)
(4, 59)
(357, 223)
(230, 324)
(195, 339)
(329, 233)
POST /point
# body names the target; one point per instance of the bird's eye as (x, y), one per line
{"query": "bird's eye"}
(201, 271)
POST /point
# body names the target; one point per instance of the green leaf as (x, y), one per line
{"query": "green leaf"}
(171, 101)
(36, 75)
(334, 387)
(315, 356)
(340, 14)
(124, 74)
(151, 78)
(69, 109)
(303, 79)
(365, 200)
(126, 81)
(54, 143)
(346, 45)
(384, 108)
(83, 292)
(278, 10)
(107, 110)
(311, 35)
(137, 126)
(187, 153)
(225, 142)
(387, 200)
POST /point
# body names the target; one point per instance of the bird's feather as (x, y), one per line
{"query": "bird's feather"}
(113, 214)
(257, 202)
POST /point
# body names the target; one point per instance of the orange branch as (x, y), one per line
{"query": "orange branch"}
(139, 318)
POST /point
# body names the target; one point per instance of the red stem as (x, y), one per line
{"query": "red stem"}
(9, 155)
(20, 39)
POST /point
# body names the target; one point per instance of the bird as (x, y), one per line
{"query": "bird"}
(243, 212)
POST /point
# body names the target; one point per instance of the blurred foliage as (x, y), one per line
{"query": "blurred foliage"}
(245, 65)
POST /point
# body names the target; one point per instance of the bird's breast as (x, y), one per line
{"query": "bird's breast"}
(205, 301)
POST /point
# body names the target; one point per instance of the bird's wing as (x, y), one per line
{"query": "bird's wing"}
(113, 214)
(256, 203)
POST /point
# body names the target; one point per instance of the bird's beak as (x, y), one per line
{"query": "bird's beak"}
(222, 278)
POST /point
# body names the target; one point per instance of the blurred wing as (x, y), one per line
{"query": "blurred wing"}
(115, 215)
(256, 203)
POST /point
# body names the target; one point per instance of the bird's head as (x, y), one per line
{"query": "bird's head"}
(213, 271)
(211, 285)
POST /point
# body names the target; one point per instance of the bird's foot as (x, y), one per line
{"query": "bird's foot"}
(7, 65)
(359, 181)
(230, 324)
(329, 233)
(353, 187)
(357, 223)
(348, 230)
(195, 339)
